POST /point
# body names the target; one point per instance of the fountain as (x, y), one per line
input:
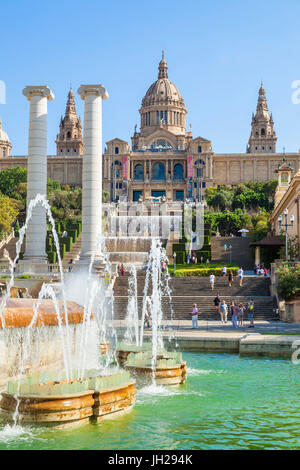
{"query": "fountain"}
(56, 365)
(150, 361)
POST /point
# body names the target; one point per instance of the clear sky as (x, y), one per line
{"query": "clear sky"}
(217, 51)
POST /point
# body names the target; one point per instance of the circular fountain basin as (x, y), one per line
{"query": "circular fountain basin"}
(169, 368)
(172, 375)
(19, 312)
(49, 409)
(56, 403)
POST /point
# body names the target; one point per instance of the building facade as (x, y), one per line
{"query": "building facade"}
(163, 158)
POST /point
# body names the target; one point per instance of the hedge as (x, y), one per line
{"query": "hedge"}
(202, 272)
(73, 233)
(203, 254)
(180, 257)
(51, 256)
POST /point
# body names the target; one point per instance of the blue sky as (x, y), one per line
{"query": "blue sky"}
(217, 53)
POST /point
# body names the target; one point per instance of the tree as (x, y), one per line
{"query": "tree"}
(8, 213)
(10, 179)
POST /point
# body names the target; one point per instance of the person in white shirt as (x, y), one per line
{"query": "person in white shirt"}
(212, 281)
(224, 270)
(241, 275)
(195, 317)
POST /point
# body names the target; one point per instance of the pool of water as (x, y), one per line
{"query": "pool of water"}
(228, 402)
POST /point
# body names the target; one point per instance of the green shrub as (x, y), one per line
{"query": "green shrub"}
(51, 256)
(202, 272)
(205, 255)
(289, 281)
(179, 247)
(69, 243)
(73, 233)
(180, 257)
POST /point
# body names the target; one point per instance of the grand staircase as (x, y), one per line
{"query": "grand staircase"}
(73, 254)
(186, 291)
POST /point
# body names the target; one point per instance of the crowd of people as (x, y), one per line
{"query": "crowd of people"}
(261, 270)
(212, 277)
(238, 313)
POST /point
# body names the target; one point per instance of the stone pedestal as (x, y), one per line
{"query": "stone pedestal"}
(38, 97)
(92, 172)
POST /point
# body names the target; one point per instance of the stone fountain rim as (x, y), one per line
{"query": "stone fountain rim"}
(18, 313)
(26, 396)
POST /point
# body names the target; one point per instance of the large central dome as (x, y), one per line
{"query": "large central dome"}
(163, 105)
(163, 90)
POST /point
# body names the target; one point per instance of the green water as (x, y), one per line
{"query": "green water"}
(227, 403)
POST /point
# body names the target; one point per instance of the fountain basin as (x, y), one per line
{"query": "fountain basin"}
(168, 369)
(19, 313)
(55, 403)
(172, 375)
(49, 409)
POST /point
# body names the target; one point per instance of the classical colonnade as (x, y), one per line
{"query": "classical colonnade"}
(38, 97)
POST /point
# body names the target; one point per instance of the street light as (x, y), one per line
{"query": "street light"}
(286, 225)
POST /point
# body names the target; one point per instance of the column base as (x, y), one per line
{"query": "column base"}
(34, 259)
(99, 263)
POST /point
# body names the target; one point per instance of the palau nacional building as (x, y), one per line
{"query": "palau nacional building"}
(164, 158)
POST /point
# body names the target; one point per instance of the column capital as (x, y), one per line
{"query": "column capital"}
(97, 90)
(43, 91)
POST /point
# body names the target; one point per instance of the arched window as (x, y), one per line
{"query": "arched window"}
(139, 172)
(178, 172)
(199, 149)
(116, 150)
(158, 171)
(68, 135)
(263, 132)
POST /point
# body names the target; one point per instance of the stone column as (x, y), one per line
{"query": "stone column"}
(92, 170)
(38, 97)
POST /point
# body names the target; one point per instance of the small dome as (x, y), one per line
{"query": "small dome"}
(3, 135)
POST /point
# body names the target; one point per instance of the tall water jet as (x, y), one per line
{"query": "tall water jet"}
(150, 360)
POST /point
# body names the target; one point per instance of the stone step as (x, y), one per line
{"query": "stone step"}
(182, 307)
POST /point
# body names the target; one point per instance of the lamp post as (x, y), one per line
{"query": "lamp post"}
(286, 225)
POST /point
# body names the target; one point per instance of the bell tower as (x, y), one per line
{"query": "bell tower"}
(69, 140)
(263, 137)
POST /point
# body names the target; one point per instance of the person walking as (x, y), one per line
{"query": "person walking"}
(250, 309)
(212, 281)
(241, 276)
(235, 313)
(223, 311)
(195, 317)
(122, 270)
(217, 302)
(230, 278)
(224, 271)
(241, 316)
